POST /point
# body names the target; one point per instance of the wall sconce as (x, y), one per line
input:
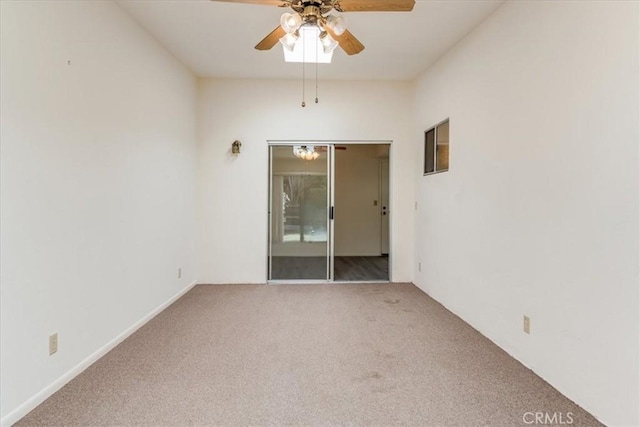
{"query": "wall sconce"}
(235, 147)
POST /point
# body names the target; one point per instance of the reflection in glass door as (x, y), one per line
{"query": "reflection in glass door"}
(299, 223)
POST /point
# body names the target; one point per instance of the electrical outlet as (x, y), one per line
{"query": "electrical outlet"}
(526, 325)
(180, 273)
(53, 343)
(419, 266)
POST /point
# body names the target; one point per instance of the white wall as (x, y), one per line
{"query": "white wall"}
(538, 214)
(98, 187)
(233, 190)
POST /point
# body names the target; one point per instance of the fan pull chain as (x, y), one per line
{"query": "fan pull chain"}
(316, 70)
(304, 104)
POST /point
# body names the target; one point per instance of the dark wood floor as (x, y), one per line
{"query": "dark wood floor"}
(358, 268)
(351, 268)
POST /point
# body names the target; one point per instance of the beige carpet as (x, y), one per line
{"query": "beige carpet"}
(383, 354)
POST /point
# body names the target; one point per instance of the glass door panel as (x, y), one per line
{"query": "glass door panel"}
(299, 212)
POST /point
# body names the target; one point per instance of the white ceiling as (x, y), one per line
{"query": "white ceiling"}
(216, 39)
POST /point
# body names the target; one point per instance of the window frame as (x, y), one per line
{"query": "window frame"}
(434, 160)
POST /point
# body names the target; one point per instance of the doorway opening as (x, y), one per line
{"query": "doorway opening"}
(361, 247)
(328, 211)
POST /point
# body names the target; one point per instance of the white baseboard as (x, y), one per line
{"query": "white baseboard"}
(22, 410)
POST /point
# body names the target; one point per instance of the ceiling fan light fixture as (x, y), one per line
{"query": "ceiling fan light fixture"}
(337, 24)
(305, 152)
(289, 40)
(327, 42)
(308, 48)
(290, 22)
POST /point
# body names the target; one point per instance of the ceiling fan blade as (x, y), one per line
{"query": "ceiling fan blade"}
(348, 42)
(280, 3)
(375, 6)
(272, 39)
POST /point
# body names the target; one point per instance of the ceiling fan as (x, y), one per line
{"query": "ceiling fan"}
(317, 13)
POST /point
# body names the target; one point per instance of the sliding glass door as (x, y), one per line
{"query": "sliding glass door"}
(299, 212)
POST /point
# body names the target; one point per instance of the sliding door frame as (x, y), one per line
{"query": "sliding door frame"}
(330, 144)
(330, 163)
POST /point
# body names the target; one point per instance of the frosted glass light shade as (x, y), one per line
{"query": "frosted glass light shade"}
(290, 22)
(328, 43)
(289, 40)
(338, 24)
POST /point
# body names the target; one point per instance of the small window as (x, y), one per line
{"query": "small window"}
(436, 148)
